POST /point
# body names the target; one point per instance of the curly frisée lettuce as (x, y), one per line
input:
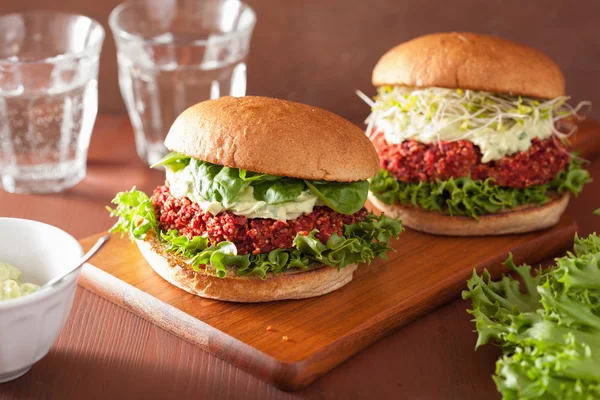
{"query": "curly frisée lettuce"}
(549, 333)
(472, 198)
(135, 214)
(361, 242)
(216, 183)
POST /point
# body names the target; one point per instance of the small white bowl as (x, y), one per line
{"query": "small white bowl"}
(29, 325)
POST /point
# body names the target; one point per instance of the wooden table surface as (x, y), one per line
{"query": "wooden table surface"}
(107, 352)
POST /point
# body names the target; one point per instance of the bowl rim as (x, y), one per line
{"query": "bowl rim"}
(45, 293)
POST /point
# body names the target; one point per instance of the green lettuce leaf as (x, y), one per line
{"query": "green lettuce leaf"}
(174, 161)
(182, 245)
(549, 332)
(342, 197)
(361, 242)
(571, 179)
(248, 176)
(278, 191)
(135, 214)
(215, 182)
(219, 257)
(224, 185)
(589, 245)
(472, 198)
(532, 373)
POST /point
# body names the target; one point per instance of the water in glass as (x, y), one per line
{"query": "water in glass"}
(48, 99)
(174, 55)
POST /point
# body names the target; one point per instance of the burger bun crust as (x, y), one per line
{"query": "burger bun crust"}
(275, 137)
(470, 61)
(523, 219)
(315, 281)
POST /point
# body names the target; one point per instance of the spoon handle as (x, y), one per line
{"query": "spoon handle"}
(82, 261)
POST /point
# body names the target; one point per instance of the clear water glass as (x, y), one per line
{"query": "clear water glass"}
(173, 54)
(48, 98)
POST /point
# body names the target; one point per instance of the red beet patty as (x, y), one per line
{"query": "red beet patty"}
(412, 161)
(257, 235)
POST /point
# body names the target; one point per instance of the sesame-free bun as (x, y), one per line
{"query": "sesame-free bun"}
(522, 219)
(315, 281)
(470, 61)
(275, 137)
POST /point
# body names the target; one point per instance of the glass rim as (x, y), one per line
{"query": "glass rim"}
(120, 33)
(89, 50)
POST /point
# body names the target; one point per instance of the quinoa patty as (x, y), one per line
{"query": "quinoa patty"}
(257, 235)
(413, 162)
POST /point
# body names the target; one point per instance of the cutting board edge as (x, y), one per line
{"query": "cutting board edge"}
(170, 319)
(285, 375)
(495, 268)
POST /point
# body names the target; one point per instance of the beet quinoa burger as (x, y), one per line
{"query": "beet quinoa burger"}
(468, 132)
(263, 200)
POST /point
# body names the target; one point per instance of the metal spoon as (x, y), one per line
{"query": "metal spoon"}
(82, 261)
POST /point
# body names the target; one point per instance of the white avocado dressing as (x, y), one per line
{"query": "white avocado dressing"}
(181, 185)
(500, 125)
(11, 286)
(492, 143)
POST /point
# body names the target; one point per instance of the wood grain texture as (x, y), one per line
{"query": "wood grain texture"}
(425, 272)
(107, 352)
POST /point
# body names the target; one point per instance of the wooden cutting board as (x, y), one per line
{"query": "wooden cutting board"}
(425, 272)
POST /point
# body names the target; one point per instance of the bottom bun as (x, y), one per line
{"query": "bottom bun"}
(521, 219)
(317, 280)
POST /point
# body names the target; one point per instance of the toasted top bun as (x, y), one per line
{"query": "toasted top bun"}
(275, 137)
(525, 218)
(470, 61)
(315, 281)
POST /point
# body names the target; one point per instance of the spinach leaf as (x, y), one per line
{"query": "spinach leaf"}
(248, 176)
(225, 184)
(278, 191)
(343, 197)
(228, 184)
(204, 175)
(174, 161)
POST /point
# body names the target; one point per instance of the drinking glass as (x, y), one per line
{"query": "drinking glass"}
(48, 98)
(173, 54)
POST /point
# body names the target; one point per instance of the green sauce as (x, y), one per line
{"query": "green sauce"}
(10, 283)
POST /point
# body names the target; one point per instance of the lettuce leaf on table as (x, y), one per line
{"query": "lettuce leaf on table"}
(472, 198)
(550, 333)
(361, 242)
(224, 185)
